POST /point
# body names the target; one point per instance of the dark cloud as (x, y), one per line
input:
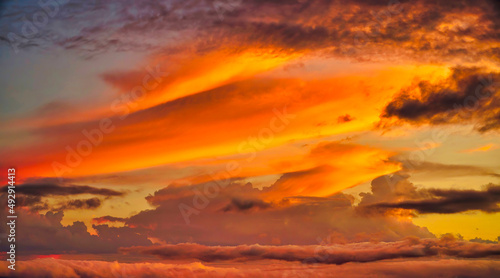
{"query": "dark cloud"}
(44, 234)
(36, 193)
(91, 203)
(447, 170)
(345, 118)
(246, 205)
(469, 95)
(52, 189)
(333, 254)
(36, 203)
(25, 201)
(357, 29)
(285, 35)
(480, 240)
(451, 201)
(397, 192)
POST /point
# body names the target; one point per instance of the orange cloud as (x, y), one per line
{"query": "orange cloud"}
(328, 254)
(66, 268)
(485, 148)
(191, 127)
(339, 166)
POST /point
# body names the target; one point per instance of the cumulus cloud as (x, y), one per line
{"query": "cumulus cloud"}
(44, 234)
(333, 218)
(389, 188)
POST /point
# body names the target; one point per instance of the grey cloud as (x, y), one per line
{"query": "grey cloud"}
(451, 201)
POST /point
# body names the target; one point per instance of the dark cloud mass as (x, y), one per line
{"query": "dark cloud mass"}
(451, 201)
(245, 205)
(469, 95)
(354, 29)
(44, 234)
(447, 170)
(51, 189)
(91, 203)
(36, 194)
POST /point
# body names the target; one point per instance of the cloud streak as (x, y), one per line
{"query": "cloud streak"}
(450, 201)
(52, 189)
(91, 203)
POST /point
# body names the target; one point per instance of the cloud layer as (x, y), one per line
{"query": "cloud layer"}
(38, 195)
(356, 29)
(335, 254)
(412, 269)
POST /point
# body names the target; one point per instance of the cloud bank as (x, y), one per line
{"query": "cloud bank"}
(333, 254)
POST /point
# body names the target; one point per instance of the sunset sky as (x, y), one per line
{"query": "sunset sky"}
(251, 138)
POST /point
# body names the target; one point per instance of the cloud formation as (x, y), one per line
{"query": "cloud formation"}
(240, 205)
(107, 218)
(333, 218)
(468, 95)
(279, 78)
(52, 189)
(385, 269)
(38, 195)
(356, 29)
(36, 235)
(91, 203)
(451, 201)
(333, 254)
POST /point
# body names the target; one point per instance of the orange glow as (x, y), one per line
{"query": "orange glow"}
(316, 105)
(484, 148)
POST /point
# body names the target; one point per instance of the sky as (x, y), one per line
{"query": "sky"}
(231, 138)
